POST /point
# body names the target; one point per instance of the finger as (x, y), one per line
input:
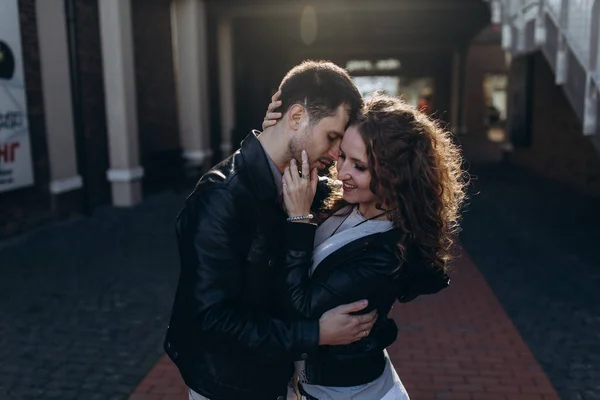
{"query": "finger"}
(364, 332)
(361, 334)
(287, 176)
(365, 326)
(352, 307)
(273, 115)
(276, 96)
(268, 122)
(294, 170)
(274, 106)
(367, 318)
(305, 166)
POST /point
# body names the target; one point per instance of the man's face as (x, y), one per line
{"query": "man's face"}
(321, 141)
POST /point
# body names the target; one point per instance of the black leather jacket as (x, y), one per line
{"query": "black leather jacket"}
(370, 268)
(222, 334)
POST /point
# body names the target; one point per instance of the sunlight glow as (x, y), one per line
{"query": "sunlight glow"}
(367, 65)
(308, 25)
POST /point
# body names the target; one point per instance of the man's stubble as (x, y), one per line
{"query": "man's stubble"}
(299, 142)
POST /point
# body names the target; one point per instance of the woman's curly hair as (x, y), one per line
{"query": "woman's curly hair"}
(415, 169)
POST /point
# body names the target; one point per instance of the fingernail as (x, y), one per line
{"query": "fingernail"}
(364, 302)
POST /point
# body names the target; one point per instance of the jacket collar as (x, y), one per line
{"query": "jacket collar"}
(258, 167)
(385, 240)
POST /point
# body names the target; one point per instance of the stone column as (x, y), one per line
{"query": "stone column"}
(125, 173)
(226, 84)
(454, 102)
(58, 104)
(459, 69)
(191, 73)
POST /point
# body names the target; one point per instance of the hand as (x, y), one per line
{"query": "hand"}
(272, 117)
(338, 327)
(299, 191)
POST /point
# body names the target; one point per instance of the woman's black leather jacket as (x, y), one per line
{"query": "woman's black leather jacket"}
(371, 268)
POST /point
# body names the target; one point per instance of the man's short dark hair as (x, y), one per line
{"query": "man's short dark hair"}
(321, 87)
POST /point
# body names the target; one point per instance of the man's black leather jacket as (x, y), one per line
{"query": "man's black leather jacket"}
(222, 334)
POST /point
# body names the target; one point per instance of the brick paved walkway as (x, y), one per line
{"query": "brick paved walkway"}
(458, 344)
(536, 243)
(85, 303)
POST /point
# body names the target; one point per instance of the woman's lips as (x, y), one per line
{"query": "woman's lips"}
(348, 188)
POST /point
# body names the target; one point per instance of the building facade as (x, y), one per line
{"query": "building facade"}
(122, 98)
(108, 118)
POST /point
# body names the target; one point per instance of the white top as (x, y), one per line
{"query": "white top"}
(347, 229)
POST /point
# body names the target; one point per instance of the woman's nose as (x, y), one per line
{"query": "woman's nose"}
(342, 170)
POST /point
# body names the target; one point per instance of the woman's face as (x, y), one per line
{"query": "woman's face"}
(353, 170)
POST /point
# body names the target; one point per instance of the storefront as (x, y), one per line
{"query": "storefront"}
(15, 149)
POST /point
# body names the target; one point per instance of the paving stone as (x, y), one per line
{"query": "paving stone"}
(461, 345)
(535, 241)
(90, 301)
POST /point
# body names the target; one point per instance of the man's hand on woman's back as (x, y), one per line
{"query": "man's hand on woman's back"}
(339, 327)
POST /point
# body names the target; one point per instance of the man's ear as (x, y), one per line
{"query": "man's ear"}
(295, 115)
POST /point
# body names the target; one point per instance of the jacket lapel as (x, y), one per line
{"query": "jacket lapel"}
(340, 256)
(257, 165)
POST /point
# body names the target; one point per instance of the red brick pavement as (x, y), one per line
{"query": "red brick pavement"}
(458, 344)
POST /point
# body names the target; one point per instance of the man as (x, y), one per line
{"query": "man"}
(228, 335)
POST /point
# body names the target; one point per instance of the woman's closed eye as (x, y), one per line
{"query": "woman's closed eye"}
(359, 167)
(355, 165)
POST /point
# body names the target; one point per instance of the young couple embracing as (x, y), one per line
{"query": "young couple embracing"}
(287, 278)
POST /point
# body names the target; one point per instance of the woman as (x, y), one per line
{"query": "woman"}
(386, 234)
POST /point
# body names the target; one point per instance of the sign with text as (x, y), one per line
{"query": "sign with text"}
(16, 169)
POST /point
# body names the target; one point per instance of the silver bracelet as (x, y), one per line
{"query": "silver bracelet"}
(300, 218)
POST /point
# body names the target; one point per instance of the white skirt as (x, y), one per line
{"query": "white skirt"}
(361, 392)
